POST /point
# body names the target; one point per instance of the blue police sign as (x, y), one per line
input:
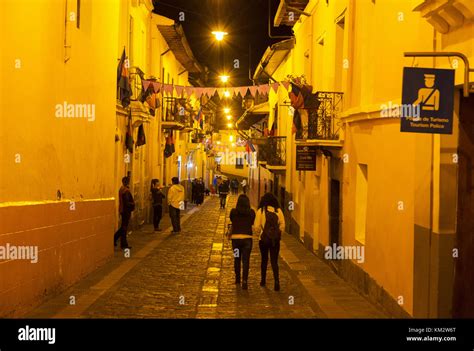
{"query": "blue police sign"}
(429, 93)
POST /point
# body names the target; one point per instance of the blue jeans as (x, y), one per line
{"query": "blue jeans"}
(242, 249)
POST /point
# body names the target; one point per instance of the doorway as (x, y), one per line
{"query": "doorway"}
(334, 212)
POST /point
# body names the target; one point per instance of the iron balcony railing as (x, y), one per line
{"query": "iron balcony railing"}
(323, 123)
(271, 150)
(176, 110)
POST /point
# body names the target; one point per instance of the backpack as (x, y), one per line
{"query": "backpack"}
(271, 234)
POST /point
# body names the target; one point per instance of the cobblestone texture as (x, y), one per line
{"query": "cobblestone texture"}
(190, 275)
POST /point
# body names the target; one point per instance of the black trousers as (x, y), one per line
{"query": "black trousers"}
(175, 219)
(157, 215)
(122, 231)
(223, 198)
(241, 249)
(274, 251)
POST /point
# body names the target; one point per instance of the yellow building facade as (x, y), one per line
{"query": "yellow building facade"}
(395, 195)
(62, 165)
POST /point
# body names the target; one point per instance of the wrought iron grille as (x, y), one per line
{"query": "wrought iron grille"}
(323, 122)
(271, 150)
(173, 110)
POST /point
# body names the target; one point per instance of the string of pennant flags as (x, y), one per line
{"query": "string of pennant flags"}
(210, 91)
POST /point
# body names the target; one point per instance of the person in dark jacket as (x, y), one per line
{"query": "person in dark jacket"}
(234, 184)
(157, 197)
(199, 195)
(126, 206)
(242, 218)
(223, 192)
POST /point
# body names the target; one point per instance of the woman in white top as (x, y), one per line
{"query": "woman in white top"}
(269, 234)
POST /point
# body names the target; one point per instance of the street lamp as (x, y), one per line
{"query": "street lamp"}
(226, 110)
(224, 78)
(219, 35)
(226, 94)
(229, 117)
(229, 125)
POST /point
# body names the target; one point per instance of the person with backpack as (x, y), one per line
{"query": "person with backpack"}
(242, 218)
(269, 223)
(126, 207)
(157, 197)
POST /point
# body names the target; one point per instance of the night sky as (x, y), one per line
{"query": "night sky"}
(246, 21)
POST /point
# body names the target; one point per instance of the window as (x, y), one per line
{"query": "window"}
(362, 178)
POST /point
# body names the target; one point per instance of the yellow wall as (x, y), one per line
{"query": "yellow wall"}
(364, 59)
(74, 156)
(54, 151)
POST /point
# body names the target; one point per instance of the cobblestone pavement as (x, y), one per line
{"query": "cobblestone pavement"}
(190, 275)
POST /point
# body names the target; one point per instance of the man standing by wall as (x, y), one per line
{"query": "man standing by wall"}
(175, 202)
(126, 206)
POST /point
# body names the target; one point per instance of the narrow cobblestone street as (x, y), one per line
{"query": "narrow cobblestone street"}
(190, 275)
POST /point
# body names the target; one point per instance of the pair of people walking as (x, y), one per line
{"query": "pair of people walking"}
(268, 223)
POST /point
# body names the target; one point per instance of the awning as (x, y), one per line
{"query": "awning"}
(253, 115)
(272, 59)
(177, 42)
(287, 7)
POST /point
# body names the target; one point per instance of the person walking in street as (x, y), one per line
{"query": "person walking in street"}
(234, 184)
(244, 185)
(199, 189)
(242, 218)
(175, 202)
(223, 192)
(269, 223)
(193, 190)
(157, 197)
(126, 207)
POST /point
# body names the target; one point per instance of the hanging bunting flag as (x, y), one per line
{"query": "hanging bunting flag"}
(169, 147)
(141, 140)
(129, 134)
(199, 114)
(297, 125)
(146, 84)
(189, 91)
(296, 97)
(198, 92)
(285, 84)
(249, 147)
(274, 130)
(275, 86)
(156, 87)
(243, 91)
(179, 89)
(264, 89)
(123, 81)
(253, 90)
(168, 88)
